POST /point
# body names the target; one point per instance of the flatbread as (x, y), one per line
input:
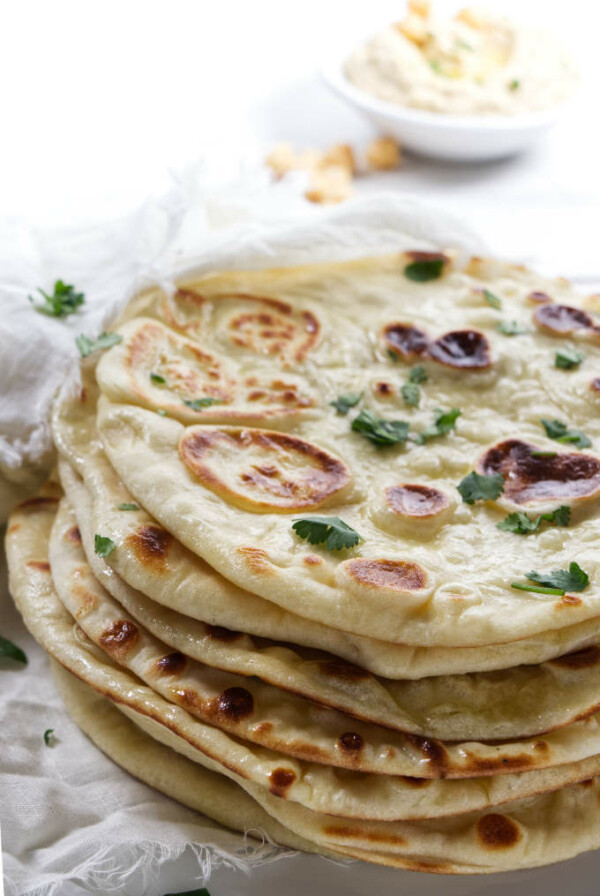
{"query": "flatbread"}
(155, 564)
(514, 703)
(230, 491)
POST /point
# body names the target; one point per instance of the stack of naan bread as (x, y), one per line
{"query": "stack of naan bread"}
(369, 683)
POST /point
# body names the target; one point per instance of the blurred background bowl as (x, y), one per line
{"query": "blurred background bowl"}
(459, 138)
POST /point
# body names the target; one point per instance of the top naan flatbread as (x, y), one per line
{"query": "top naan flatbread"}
(243, 367)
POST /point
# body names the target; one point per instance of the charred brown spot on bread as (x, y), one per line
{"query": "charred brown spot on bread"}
(342, 670)
(417, 501)
(587, 783)
(119, 638)
(405, 340)
(415, 782)
(388, 575)
(417, 255)
(351, 742)
(497, 831)
(266, 482)
(150, 544)
(569, 600)
(489, 765)
(220, 633)
(580, 659)
(74, 535)
(236, 703)
(595, 384)
(172, 663)
(86, 600)
(37, 502)
(313, 560)
(280, 781)
(40, 565)
(256, 559)
(14, 527)
(347, 832)
(529, 478)
(562, 319)
(433, 750)
(383, 389)
(537, 297)
(462, 349)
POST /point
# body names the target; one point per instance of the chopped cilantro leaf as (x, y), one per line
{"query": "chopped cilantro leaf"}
(417, 374)
(11, 651)
(128, 506)
(514, 84)
(411, 394)
(424, 269)
(521, 524)
(492, 299)
(62, 302)
(328, 530)
(103, 546)
(343, 403)
(87, 346)
(378, 430)
(568, 358)
(544, 453)
(511, 328)
(196, 404)
(158, 379)
(441, 426)
(571, 579)
(561, 433)
(476, 487)
(49, 736)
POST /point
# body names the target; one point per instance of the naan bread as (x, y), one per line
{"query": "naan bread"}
(156, 564)
(522, 701)
(423, 575)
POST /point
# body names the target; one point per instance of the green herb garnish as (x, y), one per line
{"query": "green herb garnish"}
(202, 892)
(568, 358)
(103, 546)
(11, 651)
(87, 346)
(49, 736)
(424, 269)
(411, 394)
(158, 379)
(196, 404)
(558, 582)
(476, 487)
(441, 426)
(343, 403)
(514, 85)
(62, 302)
(561, 433)
(492, 299)
(331, 531)
(128, 506)
(511, 328)
(161, 412)
(380, 431)
(418, 374)
(521, 524)
(544, 453)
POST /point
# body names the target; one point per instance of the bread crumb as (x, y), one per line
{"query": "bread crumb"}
(283, 159)
(330, 185)
(340, 155)
(384, 154)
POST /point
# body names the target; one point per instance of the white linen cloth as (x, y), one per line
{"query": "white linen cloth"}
(71, 820)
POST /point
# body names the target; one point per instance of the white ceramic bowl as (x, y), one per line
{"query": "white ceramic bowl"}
(462, 138)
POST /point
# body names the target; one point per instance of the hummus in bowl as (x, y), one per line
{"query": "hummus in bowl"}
(474, 64)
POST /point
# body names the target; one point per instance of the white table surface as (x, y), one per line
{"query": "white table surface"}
(99, 101)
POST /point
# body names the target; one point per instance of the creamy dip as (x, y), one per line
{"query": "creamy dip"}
(476, 63)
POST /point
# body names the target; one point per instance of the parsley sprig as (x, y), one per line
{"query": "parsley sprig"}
(127, 505)
(62, 302)
(477, 487)
(558, 582)
(157, 379)
(49, 737)
(493, 300)
(88, 346)
(561, 433)
(444, 422)
(378, 430)
(424, 269)
(343, 403)
(521, 524)
(511, 328)
(331, 531)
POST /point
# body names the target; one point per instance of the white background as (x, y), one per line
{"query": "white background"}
(100, 101)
